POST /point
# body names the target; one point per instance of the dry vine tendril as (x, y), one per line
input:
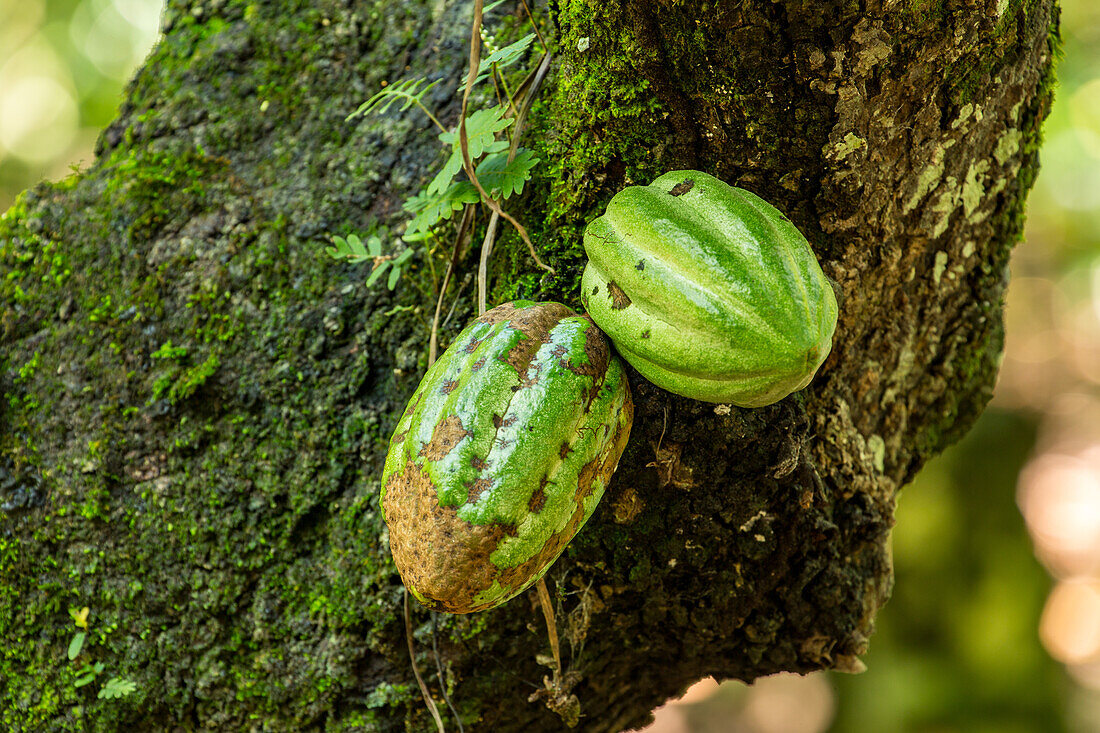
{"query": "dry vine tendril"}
(496, 168)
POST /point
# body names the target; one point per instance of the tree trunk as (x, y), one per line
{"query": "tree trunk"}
(198, 400)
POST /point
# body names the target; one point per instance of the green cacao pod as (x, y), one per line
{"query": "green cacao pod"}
(502, 454)
(708, 290)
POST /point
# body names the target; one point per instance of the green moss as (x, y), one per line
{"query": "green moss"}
(200, 491)
(598, 113)
(970, 76)
(979, 357)
(149, 189)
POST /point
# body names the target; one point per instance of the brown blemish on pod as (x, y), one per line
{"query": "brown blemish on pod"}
(619, 298)
(448, 432)
(538, 498)
(681, 188)
(452, 567)
(477, 488)
(534, 323)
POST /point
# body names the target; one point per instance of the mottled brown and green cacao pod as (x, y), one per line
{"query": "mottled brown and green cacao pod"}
(502, 454)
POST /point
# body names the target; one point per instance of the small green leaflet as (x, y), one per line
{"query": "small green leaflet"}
(116, 687)
(76, 644)
(430, 209)
(80, 617)
(481, 131)
(447, 174)
(502, 57)
(353, 250)
(394, 265)
(87, 674)
(409, 92)
(496, 174)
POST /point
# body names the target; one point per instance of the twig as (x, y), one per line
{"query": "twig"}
(535, 25)
(454, 301)
(432, 117)
(664, 424)
(500, 97)
(528, 100)
(433, 341)
(464, 143)
(483, 261)
(431, 266)
(416, 671)
(490, 233)
(439, 670)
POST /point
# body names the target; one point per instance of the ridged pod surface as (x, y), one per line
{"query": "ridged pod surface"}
(502, 454)
(708, 290)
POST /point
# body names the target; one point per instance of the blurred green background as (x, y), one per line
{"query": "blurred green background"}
(995, 620)
(63, 64)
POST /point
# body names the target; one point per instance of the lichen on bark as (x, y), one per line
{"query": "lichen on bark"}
(215, 506)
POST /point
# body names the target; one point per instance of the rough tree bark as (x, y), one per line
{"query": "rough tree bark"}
(215, 505)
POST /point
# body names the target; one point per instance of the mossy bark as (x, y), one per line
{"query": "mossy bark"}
(197, 400)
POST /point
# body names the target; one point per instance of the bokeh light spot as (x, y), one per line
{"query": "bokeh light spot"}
(1060, 499)
(38, 118)
(1070, 625)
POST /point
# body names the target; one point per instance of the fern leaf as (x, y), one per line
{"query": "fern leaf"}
(430, 209)
(377, 272)
(508, 55)
(481, 132)
(408, 92)
(481, 129)
(353, 250)
(496, 174)
(116, 687)
(447, 174)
